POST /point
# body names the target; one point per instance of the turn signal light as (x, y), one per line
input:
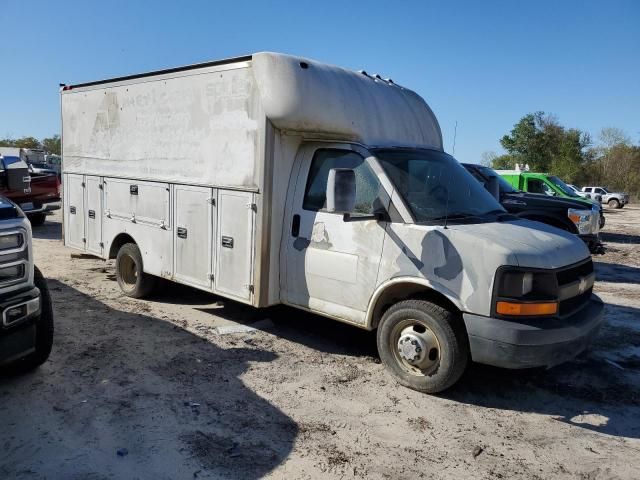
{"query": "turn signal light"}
(526, 309)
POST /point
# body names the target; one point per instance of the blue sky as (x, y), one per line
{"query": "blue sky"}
(482, 64)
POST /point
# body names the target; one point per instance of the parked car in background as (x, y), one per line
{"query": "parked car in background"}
(565, 213)
(26, 314)
(582, 194)
(613, 199)
(40, 193)
(549, 185)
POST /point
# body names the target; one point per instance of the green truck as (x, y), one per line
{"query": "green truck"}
(542, 183)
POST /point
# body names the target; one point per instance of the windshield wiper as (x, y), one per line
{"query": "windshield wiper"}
(453, 216)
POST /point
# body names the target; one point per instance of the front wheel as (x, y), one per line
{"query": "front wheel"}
(37, 219)
(130, 272)
(44, 330)
(423, 345)
(613, 203)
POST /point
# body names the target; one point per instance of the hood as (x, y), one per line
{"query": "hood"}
(530, 244)
(546, 200)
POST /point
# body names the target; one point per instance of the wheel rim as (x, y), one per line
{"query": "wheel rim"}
(128, 271)
(415, 347)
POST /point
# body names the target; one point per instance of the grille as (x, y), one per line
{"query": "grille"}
(570, 275)
(14, 258)
(574, 272)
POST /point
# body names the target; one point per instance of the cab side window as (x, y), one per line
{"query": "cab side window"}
(599, 190)
(535, 186)
(367, 184)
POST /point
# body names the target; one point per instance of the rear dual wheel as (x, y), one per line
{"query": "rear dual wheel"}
(423, 345)
(130, 272)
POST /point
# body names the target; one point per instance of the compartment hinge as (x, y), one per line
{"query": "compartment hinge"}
(248, 287)
(211, 276)
(212, 201)
(252, 206)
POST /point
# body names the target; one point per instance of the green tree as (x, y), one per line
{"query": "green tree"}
(538, 140)
(27, 142)
(52, 145)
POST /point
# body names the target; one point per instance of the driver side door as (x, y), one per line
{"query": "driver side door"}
(332, 264)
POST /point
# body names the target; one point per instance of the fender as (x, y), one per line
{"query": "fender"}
(421, 283)
(554, 220)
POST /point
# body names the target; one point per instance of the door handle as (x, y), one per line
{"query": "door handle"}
(182, 232)
(92, 214)
(227, 242)
(72, 210)
(295, 226)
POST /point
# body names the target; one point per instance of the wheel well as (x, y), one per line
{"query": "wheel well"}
(118, 242)
(406, 291)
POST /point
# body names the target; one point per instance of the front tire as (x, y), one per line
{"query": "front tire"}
(423, 345)
(613, 203)
(37, 219)
(44, 330)
(130, 272)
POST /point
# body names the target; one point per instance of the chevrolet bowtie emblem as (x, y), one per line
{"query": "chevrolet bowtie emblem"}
(582, 286)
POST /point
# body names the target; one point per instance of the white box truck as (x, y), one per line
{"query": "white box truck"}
(273, 179)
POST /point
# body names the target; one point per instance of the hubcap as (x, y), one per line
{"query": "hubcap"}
(128, 270)
(416, 346)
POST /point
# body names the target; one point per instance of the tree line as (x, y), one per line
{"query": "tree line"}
(49, 145)
(540, 141)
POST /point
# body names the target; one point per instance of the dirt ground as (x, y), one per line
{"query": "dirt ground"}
(152, 390)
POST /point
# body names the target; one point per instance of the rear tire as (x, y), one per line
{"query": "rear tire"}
(613, 203)
(37, 219)
(130, 272)
(423, 345)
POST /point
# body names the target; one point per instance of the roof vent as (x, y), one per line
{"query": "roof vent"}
(377, 77)
(304, 65)
(389, 81)
(363, 72)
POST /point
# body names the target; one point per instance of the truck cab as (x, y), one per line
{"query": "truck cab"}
(40, 194)
(26, 315)
(613, 199)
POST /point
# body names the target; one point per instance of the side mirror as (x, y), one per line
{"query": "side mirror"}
(494, 187)
(341, 190)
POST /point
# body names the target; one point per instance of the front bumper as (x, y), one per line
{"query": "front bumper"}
(534, 343)
(594, 244)
(18, 337)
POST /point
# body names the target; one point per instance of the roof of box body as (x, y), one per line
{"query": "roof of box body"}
(303, 95)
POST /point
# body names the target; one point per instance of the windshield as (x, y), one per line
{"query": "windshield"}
(563, 186)
(505, 187)
(435, 185)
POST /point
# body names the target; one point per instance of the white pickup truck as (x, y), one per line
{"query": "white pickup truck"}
(613, 199)
(272, 179)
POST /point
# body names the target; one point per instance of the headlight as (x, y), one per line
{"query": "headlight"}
(12, 273)
(11, 241)
(525, 293)
(583, 220)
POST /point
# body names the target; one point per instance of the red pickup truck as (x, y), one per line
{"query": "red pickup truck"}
(37, 194)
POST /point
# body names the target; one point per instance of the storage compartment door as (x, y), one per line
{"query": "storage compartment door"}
(234, 244)
(74, 211)
(93, 217)
(193, 235)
